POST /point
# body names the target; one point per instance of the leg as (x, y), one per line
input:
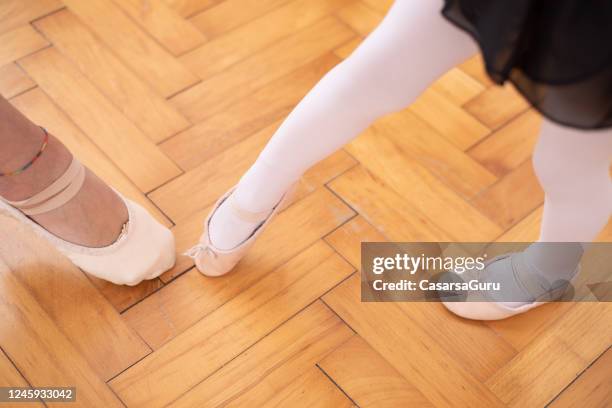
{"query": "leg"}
(573, 168)
(93, 218)
(70, 202)
(411, 48)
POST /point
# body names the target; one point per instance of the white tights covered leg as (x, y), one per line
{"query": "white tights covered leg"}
(410, 49)
(573, 168)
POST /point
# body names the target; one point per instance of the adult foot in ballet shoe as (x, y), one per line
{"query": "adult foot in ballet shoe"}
(94, 217)
(96, 227)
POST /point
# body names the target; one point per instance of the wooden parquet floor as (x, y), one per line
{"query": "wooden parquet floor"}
(170, 101)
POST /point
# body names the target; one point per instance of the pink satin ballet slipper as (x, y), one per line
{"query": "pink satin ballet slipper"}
(492, 310)
(213, 261)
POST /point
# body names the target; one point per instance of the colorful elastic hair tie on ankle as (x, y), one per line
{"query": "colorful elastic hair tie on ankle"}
(31, 162)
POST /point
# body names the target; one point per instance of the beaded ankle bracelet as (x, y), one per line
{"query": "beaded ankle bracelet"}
(31, 162)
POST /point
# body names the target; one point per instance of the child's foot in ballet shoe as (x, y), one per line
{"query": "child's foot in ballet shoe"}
(85, 219)
(522, 286)
(213, 260)
(228, 228)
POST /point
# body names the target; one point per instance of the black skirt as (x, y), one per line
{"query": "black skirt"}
(558, 53)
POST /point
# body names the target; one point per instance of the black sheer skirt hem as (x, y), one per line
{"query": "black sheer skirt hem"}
(558, 54)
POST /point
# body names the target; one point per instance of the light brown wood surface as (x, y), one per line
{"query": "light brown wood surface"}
(13, 81)
(170, 101)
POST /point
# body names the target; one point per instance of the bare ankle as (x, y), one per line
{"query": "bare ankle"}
(51, 164)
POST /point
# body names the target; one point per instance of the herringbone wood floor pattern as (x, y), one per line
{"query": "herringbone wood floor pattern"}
(170, 101)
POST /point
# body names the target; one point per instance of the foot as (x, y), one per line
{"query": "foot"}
(259, 191)
(524, 280)
(212, 260)
(228, 230)
(531, 273)
(93, 218)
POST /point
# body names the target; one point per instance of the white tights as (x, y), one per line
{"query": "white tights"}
(411, 48)
(573, 168)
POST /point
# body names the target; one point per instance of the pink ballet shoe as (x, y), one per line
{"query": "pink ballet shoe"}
(144, 250)
(213, 261)
(487, 310)
(492, 310)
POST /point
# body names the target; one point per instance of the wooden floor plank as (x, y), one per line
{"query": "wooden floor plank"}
(268, 105)
(219, 54)
(20, 42)
(442, 380)
(119, 138)
(474, 67)
(450, 120)
(511, 199)
(167, 313)
(163, 23)
(230, 14)
(359, 17)
(421, 143)
(311, 389)
(347, 48)
(352, 233)
(381, 6)
(13, 81)
(369, 379)
(242, 79)
(592, 389)
(422, 190)
(132, 96)
(124, 297)
(230, 329)
(187, 8)
(505, 149)
(497, 105)
(10, 377)
(139, 51)
(562, 352)
(442, 327)
(275, 363)
(527, 230)
(97, 330)
(522, 329)
(457, 86)
(16, 13)
(384, 208)
(41, 351)
(606, 234)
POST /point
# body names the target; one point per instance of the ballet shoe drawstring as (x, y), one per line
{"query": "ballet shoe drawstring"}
(197, 250)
